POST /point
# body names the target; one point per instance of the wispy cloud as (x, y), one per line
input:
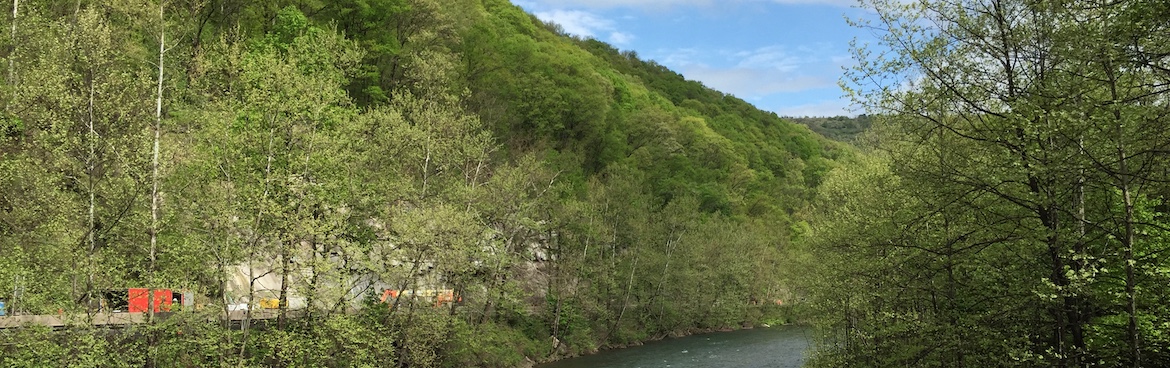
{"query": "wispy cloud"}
(755, 73)
(678, 57)
(769, 57)
(750, 82)
(795, 75)
(577, 22)
(675, 3)
(620, 38)
(586, 24)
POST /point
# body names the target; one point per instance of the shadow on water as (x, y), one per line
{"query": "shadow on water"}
(780, 347)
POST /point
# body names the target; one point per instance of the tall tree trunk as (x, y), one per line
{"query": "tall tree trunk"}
(498, 280)
(162, 40)
(91, 167)
(1127, 239)
(260, 213)
(1060, 311)
(426, 167)
(670, 245)
(311, 235)
(282, 301)
(405, 352)
(1077, 310)
(554, 289)
(245, 325)
(617, 322)
(1130, 281)
(153, 266)
(311, 293)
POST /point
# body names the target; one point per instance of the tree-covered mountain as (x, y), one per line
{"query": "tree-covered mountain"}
(839, 128)
(572, 196)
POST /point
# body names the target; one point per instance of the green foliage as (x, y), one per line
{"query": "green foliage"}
(839, 128)
(491, 345)
(997, 221)
(317, 152)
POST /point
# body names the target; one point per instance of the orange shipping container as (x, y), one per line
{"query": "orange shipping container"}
(139, 298)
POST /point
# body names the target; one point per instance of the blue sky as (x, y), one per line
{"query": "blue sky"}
(781, 55)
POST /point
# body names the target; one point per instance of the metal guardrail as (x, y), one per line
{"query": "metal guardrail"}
(123, 319)
(60, 320)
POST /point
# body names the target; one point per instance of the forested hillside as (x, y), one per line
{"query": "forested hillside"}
(571, 196)
(840, 128)
(1010, 205)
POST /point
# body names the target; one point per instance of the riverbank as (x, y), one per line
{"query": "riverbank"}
(770, 318)
(778, 346)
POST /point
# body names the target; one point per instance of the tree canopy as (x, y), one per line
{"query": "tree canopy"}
(1011, 210)
(312, 154)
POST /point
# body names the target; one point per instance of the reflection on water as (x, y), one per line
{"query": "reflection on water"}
(780, 347)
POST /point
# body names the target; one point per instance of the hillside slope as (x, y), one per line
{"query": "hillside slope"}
(839, 128)
(572, 196)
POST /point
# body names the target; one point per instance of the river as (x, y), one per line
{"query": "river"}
(778, 347)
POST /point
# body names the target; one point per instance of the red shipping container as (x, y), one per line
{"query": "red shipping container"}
(140, 297)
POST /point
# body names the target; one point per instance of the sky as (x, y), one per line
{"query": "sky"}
(784, 56)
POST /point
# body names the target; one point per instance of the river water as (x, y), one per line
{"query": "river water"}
(776, 347)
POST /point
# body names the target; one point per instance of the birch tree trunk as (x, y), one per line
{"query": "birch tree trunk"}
(154, 161)
(90, 166)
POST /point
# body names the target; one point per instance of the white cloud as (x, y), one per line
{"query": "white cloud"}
(621, 3)
(673, 3)
(751, 82)
(620, 38)
(770, 57)
(754, 73)
(677, 57)
(765, 74)
(577, 22)
(586, 24)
